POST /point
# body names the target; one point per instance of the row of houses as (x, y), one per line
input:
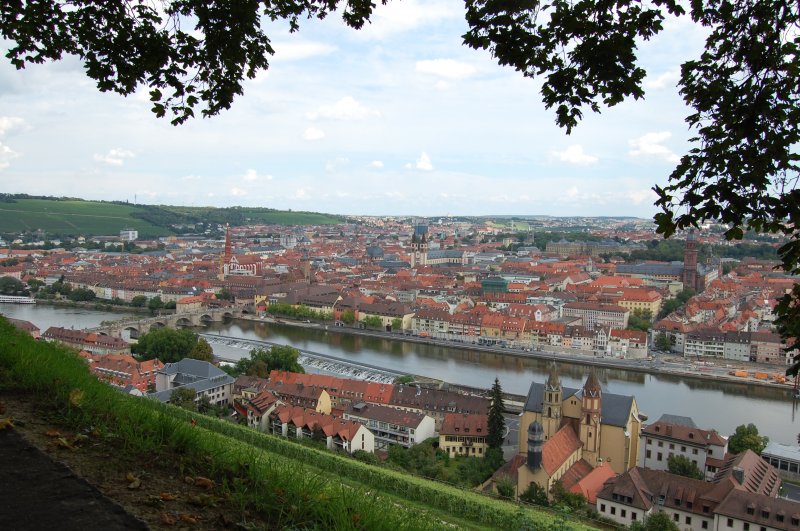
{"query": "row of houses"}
(759, 347)
(494, 328)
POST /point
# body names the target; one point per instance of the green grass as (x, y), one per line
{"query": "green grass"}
(72, 218)
(293, 485)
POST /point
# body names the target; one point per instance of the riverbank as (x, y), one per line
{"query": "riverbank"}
(660, 365)
(93, 305)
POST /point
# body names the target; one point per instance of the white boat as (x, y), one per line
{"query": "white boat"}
(14, 299)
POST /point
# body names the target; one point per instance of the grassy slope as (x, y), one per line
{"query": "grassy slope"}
(276, 469)
(98, 218)
(73, 218)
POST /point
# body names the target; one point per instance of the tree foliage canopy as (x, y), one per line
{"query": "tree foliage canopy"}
(746, 437)
(496, 421)
(683, 466)
(166, 344)
(261, 362)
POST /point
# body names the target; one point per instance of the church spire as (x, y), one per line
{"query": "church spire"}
(592, 386)
(228, 247)
(553, 382)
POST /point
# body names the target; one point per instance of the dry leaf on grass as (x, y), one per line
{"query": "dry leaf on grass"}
(204, 483)
(188, 518)
(168, 519)
(168, 496)
(53, 432)
(61, 442)
(6, 423)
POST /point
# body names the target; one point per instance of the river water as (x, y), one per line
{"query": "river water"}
(712, 404)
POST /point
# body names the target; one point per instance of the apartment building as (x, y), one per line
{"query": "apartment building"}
(391, 426)
(593, 314)
(463, 434)
(674, 435)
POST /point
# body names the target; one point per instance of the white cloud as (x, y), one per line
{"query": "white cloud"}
(238, 192)
(408, 15)
(441, 85)
(312, 133)
(115, 157)
(191, 178)
(250, 176)
(346, 108)
(301, 193)
(651, 145)
(637, 197)
(668, 78)
(574, 154)
(298, 50)
(9, 123)
(335, 164)
(446, 68)
(376, 164)
(6, 156)
(423, 163)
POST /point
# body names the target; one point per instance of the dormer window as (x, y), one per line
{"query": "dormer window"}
(658, 429)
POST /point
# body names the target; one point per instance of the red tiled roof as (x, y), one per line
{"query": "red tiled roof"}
(558, 449)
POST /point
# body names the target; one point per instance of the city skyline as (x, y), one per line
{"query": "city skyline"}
(396, 119)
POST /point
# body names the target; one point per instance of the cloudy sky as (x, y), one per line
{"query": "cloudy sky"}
(398, 118)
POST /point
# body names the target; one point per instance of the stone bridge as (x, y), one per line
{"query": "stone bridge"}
(136, 327)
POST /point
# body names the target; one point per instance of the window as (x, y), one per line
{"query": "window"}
(602, 507)
(730, 522)
(688, 520)
(779, 517)
(676, 517)
(750, 510)
(660, 444)
(660, 457)
(694, 451)
(649, 441)
(683, 448)
(623, 513)
(633, 516)
(613, 510)
(647, 454)
(746, 526)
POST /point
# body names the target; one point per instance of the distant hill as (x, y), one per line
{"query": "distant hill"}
(73, 217)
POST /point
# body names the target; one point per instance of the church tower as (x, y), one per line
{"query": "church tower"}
(591, 408)
(535, 443)
(225, 258)
(419, 248)
(552, 403)
(690, 262)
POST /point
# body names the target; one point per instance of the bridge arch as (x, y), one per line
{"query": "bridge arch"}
(183, 322)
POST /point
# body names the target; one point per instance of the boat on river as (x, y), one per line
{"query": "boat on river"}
(14, 299)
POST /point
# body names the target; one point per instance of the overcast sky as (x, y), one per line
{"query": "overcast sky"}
(398, 118)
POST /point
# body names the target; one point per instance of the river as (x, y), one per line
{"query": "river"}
(712, 404)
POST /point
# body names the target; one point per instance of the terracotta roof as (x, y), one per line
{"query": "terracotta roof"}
(592, 482)
(465, 424)
(687, 434)
(558, 449)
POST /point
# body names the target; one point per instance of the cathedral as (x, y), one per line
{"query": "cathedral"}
(569, 434)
